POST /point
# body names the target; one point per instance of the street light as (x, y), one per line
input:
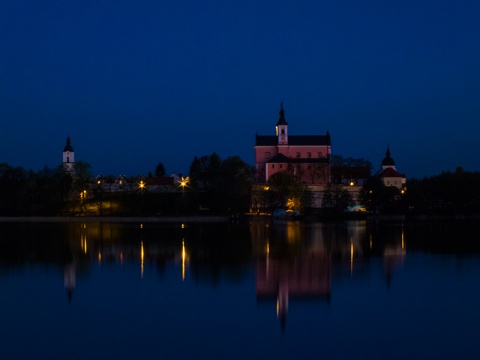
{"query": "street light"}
(183, 183)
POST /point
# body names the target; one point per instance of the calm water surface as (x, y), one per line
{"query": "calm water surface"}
(286, 290)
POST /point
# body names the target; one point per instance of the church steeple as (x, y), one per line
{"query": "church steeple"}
(68, 157)
(282, 127)
(281, 116)
(388, 161)
(68, 146)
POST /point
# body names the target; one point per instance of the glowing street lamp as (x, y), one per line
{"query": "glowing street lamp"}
(183, 183)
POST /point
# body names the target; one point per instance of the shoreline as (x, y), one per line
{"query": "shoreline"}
(149, 219)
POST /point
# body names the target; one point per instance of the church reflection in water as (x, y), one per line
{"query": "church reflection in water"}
(298, 261)
(292, 260)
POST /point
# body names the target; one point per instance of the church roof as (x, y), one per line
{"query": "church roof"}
(299, 140)
(389, 172)
(68, 146)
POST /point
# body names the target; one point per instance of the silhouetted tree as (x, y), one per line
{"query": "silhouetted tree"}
(160, 170)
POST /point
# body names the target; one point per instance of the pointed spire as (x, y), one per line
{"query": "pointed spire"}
(281, 116)
(388, 161)
(68, 146)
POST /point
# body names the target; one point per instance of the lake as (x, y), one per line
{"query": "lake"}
(252, 290)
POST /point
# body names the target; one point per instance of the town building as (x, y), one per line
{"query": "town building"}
(389, 174)
(305, 156)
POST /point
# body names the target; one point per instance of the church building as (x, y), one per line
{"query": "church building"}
(305, 156)
(389, 174)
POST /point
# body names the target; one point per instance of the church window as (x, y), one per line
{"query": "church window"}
(283, 131)
(309, 154)
(319, 155)
(281, 166)
(297, 155)
(273, 166)
(268, 155)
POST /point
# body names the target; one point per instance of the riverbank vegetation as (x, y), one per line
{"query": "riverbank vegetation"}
(225, 186)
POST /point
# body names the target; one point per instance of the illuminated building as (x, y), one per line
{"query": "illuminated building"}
(306, 156)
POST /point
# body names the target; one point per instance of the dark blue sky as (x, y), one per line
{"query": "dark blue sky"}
(135, 83)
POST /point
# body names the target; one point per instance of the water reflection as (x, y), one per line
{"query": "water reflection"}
(249, 278)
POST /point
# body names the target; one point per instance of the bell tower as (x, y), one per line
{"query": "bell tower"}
(282, 128)
(68, 157)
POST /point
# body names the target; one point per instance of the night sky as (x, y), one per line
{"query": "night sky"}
(136, 83)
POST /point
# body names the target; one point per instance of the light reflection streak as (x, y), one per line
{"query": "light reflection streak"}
(142, 258)
(351, 255)
(184, 257)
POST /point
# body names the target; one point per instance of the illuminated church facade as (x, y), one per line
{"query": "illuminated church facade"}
(305, 156)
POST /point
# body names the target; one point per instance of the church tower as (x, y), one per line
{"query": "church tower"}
(282, 128)
(388, 162)
(68, 157)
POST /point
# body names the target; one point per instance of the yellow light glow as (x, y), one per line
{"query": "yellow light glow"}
(141, 226)
(183, 226)
(352, 183)
(184, 258)
(142, 258)
(266, 188)
(267, 248)
(351, 255)
(83, 243)
(99, 256)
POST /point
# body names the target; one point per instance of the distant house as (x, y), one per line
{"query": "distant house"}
(389, 174)
(306, 156)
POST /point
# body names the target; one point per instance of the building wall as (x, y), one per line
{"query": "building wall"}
(394, 181)
(310, 173)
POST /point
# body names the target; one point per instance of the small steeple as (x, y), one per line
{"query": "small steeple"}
(281, 116)
(388, 161)
(68, 157)
(68, 146)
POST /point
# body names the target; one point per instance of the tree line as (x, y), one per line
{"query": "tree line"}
(219, 185)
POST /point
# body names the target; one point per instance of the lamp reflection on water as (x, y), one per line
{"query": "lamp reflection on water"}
(83, 239)
(184, 258)
(142, 258)
(351, 255)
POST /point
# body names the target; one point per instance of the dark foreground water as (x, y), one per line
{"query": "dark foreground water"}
(287, 290)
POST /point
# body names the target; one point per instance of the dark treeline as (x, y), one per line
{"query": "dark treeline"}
(222, 186)
(447, 193)
(214, 185)
(30, 193)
